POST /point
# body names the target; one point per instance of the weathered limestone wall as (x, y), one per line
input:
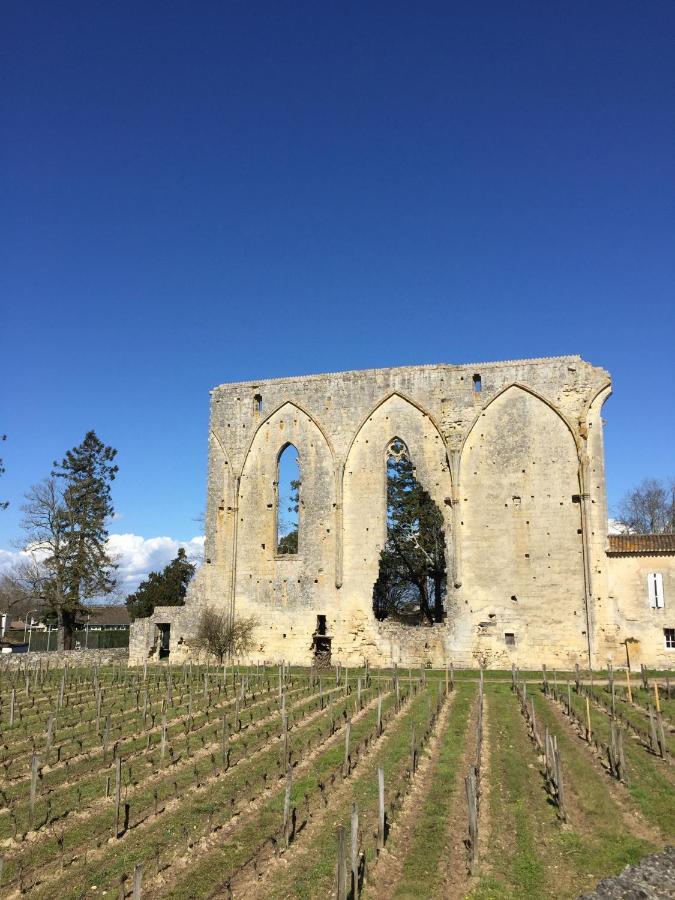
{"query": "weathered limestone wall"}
(633, 617)
(517, 470)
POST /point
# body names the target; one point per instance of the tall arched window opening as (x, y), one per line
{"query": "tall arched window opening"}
(411, 583)
(288, 500)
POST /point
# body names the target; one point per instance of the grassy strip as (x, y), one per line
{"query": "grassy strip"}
(420, 876)
(312, 873)
(198, 813)
(531, 854)
(650, 785)
(636, 715)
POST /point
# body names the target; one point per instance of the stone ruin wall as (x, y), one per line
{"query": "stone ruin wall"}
(517, 470)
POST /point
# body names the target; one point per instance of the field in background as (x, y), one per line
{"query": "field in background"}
(274, 782)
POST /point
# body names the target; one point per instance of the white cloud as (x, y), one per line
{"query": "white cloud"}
(135, 556)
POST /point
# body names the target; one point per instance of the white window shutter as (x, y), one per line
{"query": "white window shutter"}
(651, 587)
(658, 589)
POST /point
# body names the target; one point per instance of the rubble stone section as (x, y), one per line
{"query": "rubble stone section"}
(653, 878)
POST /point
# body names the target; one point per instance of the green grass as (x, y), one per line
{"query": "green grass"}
(650, 778)
(531, 853)
(420, 875)
(311, 874)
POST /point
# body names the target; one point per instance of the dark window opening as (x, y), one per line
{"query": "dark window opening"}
(163, 640)
(321, 644)
(257, 404)
(510, 639)
(411, 583)
(669, 635)
(288, 501)
(477, 384)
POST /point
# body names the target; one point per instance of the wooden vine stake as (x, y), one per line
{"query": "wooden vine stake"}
(355, 851)
(341, 874)
(656, 698)
(380, 808)
(287, 806)
(630, 692)
(346, 768)
(589, 732)
(118, 793)
(138, 882)
(34, 770)
(472, 801)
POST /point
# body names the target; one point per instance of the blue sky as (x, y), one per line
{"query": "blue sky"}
(195, 193)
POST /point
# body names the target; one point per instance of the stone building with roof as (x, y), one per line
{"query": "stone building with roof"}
(511, 454)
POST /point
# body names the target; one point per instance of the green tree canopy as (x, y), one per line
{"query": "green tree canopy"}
(165, 588)
(66, 531)
(412, 573)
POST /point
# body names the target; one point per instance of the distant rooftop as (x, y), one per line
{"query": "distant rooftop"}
(641, 543)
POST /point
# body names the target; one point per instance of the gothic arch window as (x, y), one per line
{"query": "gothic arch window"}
(411, 583)
(288, 486)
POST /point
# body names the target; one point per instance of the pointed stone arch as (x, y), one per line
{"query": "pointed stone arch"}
(521, 522)
(284, 579)
(274, 413)
(364, 485)
(515, 385)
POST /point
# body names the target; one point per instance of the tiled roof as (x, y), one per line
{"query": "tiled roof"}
(113, 614)
(641, 543)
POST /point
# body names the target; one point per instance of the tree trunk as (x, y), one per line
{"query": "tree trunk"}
(60, 631)
(438, 597)
(424, 602)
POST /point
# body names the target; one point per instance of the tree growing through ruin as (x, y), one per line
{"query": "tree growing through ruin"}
(223, 637)
(412, 574)
(65, 534)
(649, 508)
(165, 588)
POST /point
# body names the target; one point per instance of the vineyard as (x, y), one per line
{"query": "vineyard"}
(261, 781)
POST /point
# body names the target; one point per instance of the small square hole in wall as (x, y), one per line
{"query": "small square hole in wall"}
(509, 639)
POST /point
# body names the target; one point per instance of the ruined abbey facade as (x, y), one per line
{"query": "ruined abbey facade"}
(512, 455)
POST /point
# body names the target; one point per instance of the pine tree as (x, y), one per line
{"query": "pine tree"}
(165, 588)
(412, 562)
(86, 473)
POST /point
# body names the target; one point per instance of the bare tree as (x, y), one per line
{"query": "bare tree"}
(16, 598)
(649, 508)
(218, 635)
(45, 573)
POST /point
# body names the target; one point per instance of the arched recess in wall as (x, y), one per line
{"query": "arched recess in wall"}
(263, 575)
(520, 520)
(364, 487)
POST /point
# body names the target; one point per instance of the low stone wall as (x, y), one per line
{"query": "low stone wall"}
(59, 658)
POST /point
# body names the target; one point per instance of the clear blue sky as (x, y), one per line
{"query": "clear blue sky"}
(194, 193)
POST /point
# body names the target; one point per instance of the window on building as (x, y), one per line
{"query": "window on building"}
(257, 404)
(669, 635)
(655, 590)
(510, 639)
(288, 500)
(477, 384)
